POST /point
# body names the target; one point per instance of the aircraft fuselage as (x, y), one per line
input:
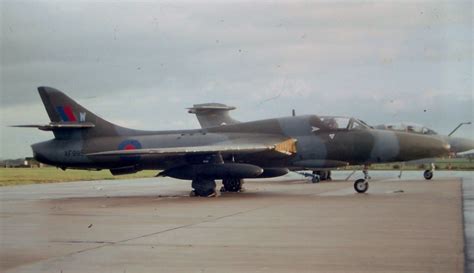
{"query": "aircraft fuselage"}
(314, 149)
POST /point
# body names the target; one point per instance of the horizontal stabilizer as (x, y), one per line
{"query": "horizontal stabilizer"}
(58, 125)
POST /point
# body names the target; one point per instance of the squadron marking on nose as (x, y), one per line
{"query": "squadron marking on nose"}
(314, 129)
(332, 136)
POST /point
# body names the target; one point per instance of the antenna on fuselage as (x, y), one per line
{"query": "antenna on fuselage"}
(293, 113)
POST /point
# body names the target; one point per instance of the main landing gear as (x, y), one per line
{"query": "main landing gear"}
(203, 187)
(232, 184)
(323, 174)
(317, 176)
(206, 187)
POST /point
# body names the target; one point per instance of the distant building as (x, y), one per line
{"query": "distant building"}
(33, 163)
(27, 162)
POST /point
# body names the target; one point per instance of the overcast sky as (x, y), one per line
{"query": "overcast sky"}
(139, 64)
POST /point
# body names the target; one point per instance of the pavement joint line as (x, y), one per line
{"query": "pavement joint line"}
(105, 244)
(324, 192)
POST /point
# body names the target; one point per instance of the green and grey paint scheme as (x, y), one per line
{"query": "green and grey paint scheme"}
(223, 148)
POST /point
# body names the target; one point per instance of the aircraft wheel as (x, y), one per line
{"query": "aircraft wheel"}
(231, 184)
(204, 188)
(315, 179)
(361, 185)
(428, 174)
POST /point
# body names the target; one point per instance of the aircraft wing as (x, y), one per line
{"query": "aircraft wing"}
(287, 147)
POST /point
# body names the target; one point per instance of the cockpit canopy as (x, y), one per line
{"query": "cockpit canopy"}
(344, 123)
(407, 127)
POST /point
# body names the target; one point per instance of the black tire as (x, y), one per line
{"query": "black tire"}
(315, 179)
(232, 184)
(361, 185)
(323, 175)
(428, 174)
(204, 187)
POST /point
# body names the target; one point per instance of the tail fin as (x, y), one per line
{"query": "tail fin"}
(65, 111)
(212, 114)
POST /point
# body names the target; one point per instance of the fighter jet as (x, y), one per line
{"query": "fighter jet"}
(223, 149)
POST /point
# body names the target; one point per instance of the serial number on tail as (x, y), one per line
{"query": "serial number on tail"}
(73, 153)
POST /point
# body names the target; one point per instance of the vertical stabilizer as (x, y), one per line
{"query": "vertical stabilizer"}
(64, 110)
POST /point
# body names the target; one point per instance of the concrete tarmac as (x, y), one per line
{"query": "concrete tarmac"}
(151, 225)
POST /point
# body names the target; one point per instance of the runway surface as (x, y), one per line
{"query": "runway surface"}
(151, 225)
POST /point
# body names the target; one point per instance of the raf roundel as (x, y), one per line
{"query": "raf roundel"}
(130, 144)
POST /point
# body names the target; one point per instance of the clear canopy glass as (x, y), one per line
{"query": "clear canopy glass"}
(408, 127)
(344, 123)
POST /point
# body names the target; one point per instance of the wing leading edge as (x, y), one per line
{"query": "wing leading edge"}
(287, 147)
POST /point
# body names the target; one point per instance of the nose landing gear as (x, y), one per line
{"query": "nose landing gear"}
(428, 174)
(361, 185)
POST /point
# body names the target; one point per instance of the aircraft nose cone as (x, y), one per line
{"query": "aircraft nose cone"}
(413, 146)
(459, 145)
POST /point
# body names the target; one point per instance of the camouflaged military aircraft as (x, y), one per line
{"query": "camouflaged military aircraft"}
(223, 148)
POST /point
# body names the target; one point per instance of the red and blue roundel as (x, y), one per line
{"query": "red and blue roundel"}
(130, 144)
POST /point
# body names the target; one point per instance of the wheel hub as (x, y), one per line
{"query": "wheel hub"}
(232, 184)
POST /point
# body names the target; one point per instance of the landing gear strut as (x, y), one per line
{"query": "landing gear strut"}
(361, 185)
(366, 172)
(315, 178)
(232, 184)
(203, 187)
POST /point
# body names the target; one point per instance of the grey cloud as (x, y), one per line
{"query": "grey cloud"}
(141, 63)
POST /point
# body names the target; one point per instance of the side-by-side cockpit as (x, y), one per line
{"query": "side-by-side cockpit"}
(344, 123)
(407, 127)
